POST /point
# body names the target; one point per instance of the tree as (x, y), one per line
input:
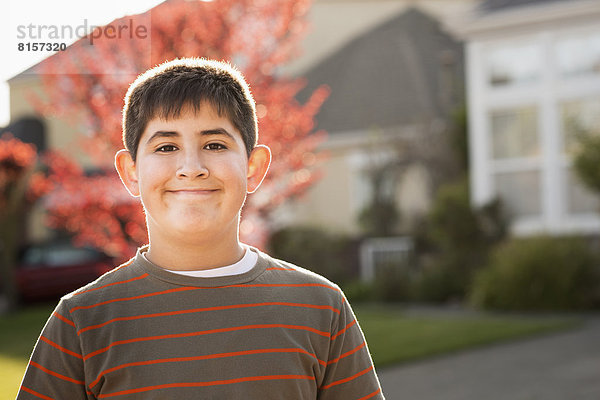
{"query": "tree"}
(587, 159)
(457, 239)
(87, 82)
(380, 216)
(21, 184)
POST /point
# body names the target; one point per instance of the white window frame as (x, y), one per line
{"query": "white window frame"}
(546, 95)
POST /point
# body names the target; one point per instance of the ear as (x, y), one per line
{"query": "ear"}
(258, 165)
(127, 172)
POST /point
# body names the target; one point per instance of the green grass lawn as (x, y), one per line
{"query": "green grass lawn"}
(396, 338)
(18, 333)
(392, 336)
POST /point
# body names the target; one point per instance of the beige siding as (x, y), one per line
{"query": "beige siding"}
(60, 135)
(335, 201)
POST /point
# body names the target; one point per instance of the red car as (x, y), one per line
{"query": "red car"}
(52, 270)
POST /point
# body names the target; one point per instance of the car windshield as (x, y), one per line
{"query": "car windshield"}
(59, 256)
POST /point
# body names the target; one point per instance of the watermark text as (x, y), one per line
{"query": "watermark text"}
(128, 29)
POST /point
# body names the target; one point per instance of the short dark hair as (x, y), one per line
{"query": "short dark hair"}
(165, 90)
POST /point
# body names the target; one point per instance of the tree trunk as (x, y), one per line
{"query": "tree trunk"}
(8, 251)
(10, 234)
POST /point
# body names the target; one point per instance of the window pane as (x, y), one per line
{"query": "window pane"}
(580, 198)
(520, 192)
(579, 56)
(514, 65)
(579, 118)
(514, 133)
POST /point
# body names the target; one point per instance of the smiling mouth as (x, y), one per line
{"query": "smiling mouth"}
(192, 192)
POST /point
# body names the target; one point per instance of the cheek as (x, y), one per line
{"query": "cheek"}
(152, 175)
(233, 170)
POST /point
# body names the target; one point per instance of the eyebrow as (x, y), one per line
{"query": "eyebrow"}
(167, 134)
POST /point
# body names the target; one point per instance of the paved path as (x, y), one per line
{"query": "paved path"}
(562, 366)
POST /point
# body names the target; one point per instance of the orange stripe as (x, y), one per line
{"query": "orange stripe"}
(57, 315)
(111, 284)
(354, 350)
(33, 392)
(56, 374)
(205, 357)
(195, 310)
(343, 330)
(347, 379)
(370, 395)
(51, 343)
(181, 289)
(287, 285)
(211, 383)
(199, 288)
(220, 330)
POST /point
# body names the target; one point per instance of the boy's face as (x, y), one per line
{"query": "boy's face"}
(192, 174)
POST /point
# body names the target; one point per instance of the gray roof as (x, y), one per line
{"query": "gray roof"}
(488, 6)
(393, 75)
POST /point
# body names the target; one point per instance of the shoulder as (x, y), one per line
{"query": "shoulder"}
(277, 270)
(107, 285)
(298, 272)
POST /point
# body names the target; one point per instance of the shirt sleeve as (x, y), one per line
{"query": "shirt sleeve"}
(56, 368)
(350, 373)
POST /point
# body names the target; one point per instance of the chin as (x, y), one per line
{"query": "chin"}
(193, 226)
(206, 228)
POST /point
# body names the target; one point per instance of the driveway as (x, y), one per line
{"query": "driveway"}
(562, 366)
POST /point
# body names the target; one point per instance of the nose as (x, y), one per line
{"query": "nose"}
(191, 165)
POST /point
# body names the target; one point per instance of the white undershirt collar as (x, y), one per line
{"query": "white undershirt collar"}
(244, 265)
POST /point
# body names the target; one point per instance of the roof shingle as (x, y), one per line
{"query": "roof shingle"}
(394, 75)
(489, 6)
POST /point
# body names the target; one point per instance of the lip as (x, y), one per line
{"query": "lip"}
(192, 192)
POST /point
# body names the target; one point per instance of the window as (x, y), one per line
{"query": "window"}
(535, 92)
(579, 55)
(515, 153)
(515, 65)
(580, 199)
(579, 118)
(520, 192)
(514, 133)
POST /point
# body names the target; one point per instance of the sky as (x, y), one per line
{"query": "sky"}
(22, 22)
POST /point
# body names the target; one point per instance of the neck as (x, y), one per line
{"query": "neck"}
(185, 255)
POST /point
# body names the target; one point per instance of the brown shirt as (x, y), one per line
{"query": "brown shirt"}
(140, 332)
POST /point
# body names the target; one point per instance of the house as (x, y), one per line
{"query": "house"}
(393, 88)
(533, 80)
(395, 77)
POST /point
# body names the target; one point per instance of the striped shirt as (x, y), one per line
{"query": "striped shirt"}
(140, 332)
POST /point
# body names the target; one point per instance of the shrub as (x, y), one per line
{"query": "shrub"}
(336, 257)
(540, 273)
(392, 283)
(455, 225)
(359, 291)
(587, 158)
(379, 218)
(441, 281)
(455, 242)
(331, 255)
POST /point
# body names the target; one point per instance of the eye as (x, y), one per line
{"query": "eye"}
(215, 146)
(166, 148)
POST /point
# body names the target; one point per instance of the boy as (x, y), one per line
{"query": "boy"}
(196, 314)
